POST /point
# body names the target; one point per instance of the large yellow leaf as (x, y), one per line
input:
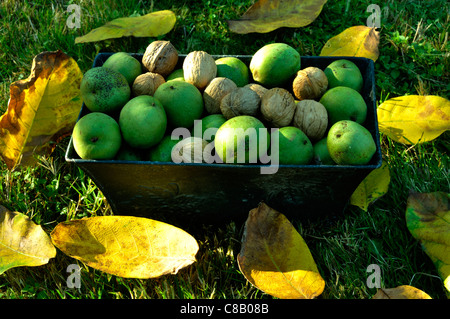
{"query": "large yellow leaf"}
(150, 25)
(126, 246)
(268, 15)
(22, 242)
(401, 292)
(428, 220)
(359, 41)
(41, 109)
(374, 186)
(414, 119)
(275, 258)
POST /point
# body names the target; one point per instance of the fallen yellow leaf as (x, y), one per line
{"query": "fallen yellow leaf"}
(401, 292)
(428, 220)
(414, 119)
(22, 242)
(150, 25)
(275, 258)
(126, 246)
(375, 185)
(267, 15)
(42, 109)
(358, 41)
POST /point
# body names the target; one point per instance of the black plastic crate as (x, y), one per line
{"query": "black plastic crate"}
(191, 194)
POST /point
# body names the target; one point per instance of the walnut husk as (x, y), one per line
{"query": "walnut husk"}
(147, 83)
(312, 118)
(215, 91)
(160, 57)
(241, 101)
(278, 107)
(310, 84)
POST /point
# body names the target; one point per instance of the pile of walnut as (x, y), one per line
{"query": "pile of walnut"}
(277, 107)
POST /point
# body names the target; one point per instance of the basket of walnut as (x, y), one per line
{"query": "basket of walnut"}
(193, 192)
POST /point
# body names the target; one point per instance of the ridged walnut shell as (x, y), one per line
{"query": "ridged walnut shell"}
(191, 150)
(215, 91)
(310, 84)
(278, 107)
(241, 101)
(258, 88)
(199, 68)
(147, 83)
(312, 118)
(160, 57)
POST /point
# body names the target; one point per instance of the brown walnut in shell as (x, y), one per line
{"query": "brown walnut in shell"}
(147, 83)
(199, 68)
(312, 118)
(258, 88)
(160, 57)
(191, 150)
(310, 84)
(241, 101)
(278, 107)
(215, 91)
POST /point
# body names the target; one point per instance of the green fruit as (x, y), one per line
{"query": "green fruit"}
(238, 140)
(234, 69)
(177, 75)
(104, 90)
(344, 73)
(294, 146)
(212, 122)
(350, 143)
(96, 136)
(128, 153)
(344, 103)
(125, 64)
(182, 102)
(321, 154)
(143, 121)
(162, 152)
(274, 64)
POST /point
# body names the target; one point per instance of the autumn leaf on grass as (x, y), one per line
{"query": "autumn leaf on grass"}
(275, 258)
(428, 220)
(126, 246)
(22, 242)
(42, 109)
(401, 292)
(267, 15)
(414, 119)
(374, 186)
(358, 41)
(150, 25)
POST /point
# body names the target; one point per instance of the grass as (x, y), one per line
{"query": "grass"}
(414, 59)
